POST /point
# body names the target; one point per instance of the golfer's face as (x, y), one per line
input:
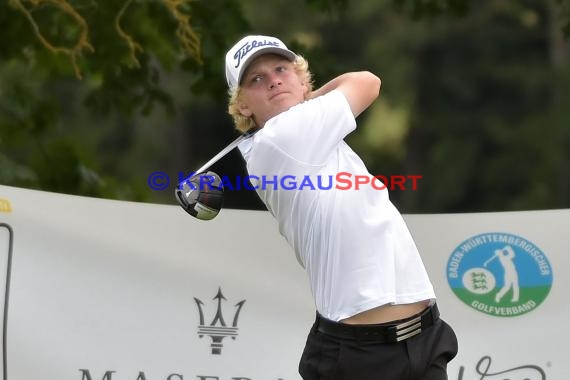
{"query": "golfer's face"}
(270, 86)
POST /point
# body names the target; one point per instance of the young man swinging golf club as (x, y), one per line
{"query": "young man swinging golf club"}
(376, 311)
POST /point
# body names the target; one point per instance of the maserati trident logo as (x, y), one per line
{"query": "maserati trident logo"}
(218, 329)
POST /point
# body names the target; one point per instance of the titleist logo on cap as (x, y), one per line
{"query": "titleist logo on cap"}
(249, 46)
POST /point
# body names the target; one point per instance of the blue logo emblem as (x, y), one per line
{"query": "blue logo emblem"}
(499, 274)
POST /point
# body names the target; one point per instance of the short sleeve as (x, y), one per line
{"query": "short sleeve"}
(310, 131)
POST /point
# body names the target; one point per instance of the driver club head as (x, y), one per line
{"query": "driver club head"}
(201, 196)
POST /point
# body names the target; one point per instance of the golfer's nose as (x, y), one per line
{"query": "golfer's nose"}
(274, 82)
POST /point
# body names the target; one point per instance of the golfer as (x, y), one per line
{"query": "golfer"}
(376, 313)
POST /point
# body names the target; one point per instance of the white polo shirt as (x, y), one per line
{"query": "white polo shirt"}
(354, 244)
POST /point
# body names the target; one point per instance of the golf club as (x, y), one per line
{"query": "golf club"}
(225, 151)
(205, 202)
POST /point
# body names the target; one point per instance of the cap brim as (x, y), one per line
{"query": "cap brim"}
(267, 50)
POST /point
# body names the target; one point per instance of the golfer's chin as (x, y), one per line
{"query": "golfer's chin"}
(284, 104)
(278, 108)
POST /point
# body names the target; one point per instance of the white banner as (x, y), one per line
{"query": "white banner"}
(106, 290)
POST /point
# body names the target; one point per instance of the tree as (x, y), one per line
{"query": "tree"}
(97, 94)
(97, 63)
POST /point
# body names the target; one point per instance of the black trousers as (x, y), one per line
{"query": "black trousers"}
(420, 357)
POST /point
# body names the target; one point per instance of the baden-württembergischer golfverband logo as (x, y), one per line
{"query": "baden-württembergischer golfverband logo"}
(499, 274)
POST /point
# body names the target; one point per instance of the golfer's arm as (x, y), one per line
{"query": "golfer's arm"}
(360, 89)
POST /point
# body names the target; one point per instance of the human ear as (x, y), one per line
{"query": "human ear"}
(244, 110)
(306, 92)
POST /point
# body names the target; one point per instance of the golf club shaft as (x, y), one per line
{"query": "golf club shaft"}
(223, 152)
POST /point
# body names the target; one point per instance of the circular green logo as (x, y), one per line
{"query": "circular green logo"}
(499, 274)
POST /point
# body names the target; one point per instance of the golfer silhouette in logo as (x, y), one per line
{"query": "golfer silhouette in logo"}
(511, 277)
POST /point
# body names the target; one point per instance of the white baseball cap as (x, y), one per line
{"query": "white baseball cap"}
(248, 48)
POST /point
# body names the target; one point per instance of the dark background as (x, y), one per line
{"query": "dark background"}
(475, 95)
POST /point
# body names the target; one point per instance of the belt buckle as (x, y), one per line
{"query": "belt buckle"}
(408, 329)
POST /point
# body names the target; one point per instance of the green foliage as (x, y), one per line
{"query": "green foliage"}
(66, 69)
(328, 5)
(474, 95)
(419, 9)
(430, 8)
(484, 133)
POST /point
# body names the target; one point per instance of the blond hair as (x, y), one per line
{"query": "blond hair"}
(243, 123)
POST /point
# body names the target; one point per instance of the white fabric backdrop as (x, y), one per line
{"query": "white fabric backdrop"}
(102, 289)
